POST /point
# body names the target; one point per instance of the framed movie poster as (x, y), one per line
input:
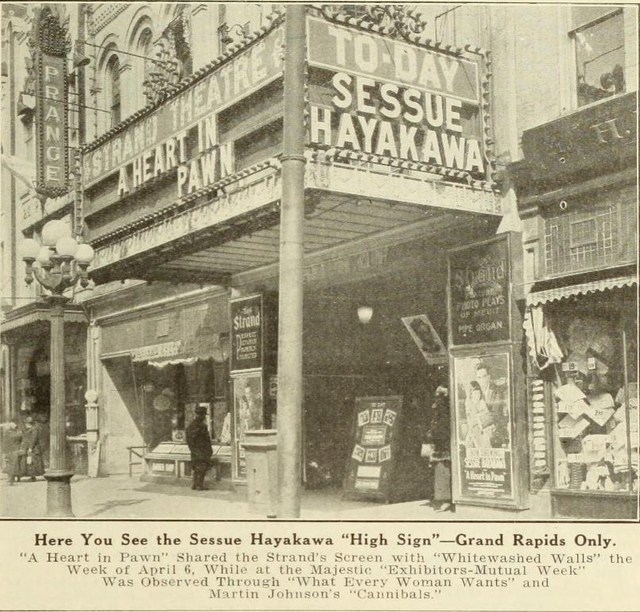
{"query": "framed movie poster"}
(248, 413)
(426, 338)
(483, 428)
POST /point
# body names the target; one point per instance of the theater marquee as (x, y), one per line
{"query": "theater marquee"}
(383, 97)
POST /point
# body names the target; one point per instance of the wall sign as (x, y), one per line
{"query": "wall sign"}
(479, 293)
(247, 320)
(589, 141)
(392, 99)
(51, 116)
(376, 440)
(483, 427)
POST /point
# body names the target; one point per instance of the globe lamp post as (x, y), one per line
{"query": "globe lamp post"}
(57, 264)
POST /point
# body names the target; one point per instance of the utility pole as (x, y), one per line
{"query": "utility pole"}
(291, 277)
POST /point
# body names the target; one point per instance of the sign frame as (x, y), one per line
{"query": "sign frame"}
(423, 333)
(254, 303)
(517, 495)
(52, 96)
(504, 243)
(240, 423)
(322, 63)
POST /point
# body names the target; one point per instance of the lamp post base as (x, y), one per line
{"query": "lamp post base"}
(59, 493)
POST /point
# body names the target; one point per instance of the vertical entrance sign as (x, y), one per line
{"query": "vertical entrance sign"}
(51, 117)
(246, 333)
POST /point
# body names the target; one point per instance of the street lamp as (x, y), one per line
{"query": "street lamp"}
(57, 264)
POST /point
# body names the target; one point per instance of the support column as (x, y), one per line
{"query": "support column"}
(58, 475)
(291, 279)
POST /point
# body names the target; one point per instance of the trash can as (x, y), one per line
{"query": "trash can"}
(261, 458)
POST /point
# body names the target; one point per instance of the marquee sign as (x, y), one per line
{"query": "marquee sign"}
(248, 194)
(51, 116)
(157, 143)
(380, 96)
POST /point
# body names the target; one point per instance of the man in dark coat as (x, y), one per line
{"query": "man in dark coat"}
(199, 442)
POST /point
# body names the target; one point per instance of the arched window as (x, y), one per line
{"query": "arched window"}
(143, 47)
(112, 83)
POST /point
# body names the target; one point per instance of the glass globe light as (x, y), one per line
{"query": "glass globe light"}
(84, 254)
(29, 248)
(53, 231)
(364, 314)
(67, 246)
(44, 257)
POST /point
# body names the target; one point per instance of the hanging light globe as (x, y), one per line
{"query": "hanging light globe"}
(84, 254)
(67, 246)
(29, 248)
(44, 257)
(364, 314)
(53, 231)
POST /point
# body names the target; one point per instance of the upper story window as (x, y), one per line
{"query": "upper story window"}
(142, 67)
(113, 89)
(600, 58)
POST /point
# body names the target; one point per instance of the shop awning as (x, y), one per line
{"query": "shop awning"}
(185, 351)
(559, 293)
(37, 312)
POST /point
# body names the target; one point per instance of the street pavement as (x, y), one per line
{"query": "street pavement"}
(121, 497)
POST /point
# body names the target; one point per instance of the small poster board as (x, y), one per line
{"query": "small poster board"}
(376, 439)
(426, 338)
(248, 414)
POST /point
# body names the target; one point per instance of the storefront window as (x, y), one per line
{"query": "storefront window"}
(599, 48)
(169, 396)
(595, 430)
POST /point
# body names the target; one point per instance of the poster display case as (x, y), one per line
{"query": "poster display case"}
(248, 415)
(488, 417)
(483, 432)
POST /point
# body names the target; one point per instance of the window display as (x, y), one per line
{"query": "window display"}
(595, 402)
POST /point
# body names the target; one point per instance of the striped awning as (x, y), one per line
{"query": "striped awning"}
(560, 293)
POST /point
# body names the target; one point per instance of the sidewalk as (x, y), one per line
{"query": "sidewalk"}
(121, 497)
